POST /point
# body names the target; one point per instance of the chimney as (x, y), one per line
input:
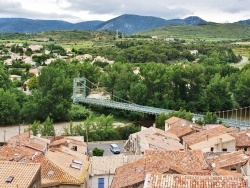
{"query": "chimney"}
(207, 137)
(220, 144)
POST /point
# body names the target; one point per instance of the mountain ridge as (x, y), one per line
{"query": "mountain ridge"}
(126, 23)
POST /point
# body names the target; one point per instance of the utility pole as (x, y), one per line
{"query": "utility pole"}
(108, 178)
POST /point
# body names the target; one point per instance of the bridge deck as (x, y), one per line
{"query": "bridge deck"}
(146, 109)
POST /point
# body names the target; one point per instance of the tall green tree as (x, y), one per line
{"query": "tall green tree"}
(9, 107)
(48, 128)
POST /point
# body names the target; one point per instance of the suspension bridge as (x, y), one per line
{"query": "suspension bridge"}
(82, 86)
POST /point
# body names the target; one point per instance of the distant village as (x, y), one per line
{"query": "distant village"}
(26, 55)
(183, 155)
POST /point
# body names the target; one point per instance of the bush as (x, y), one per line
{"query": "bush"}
(98, 152)
(78, 112)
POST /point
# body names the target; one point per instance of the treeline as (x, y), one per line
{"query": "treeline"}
(140, 51)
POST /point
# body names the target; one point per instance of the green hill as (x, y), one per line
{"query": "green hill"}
(208, 31)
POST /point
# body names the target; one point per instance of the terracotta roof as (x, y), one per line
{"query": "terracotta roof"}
(108, 164)
(52, 174)
(172, 120)
(229, 159)
(59, 142)
(66, 140)
(188, 162)
(155, 131)
(183, 181)
(242, 138)
(181, 131)
(17, 153)
(23, 173)
(203, 135)
(63, 157)
(28, 140)
(160, 143)
(222, 172)
(212, 141)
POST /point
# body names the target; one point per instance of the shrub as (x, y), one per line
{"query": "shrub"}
(98, 152)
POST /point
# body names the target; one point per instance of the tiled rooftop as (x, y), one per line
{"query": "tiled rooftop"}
(181, 131)
(212, 141)
(17, 153)
(205, 134)
(172, 120)
(190, 181)
(229, 159)
(28, 140)
(155, 131)
(108, 164)
(23, 174)
(66, 140)
(242, 138)
(222, 172)
(188, 162)
(56, 166)
(161, 143)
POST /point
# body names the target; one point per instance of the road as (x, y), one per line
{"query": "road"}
(242, 62)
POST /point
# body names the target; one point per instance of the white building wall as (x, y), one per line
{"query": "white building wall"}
(80, 149)
(230, 146)
(93, 181)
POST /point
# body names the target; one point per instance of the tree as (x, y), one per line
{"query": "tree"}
(4, 78)
(160, 120)
(242, 88)
(36, 128)
(210, 118)
(48, 128)
(218, 94)
(28, 52)
(78, 112)
(9, 107)
(53, 96)
(33, 83)
(98, 152)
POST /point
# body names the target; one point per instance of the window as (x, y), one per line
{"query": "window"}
(245, 149)
(234, 169)
(100, 182)
(74, 148)
(211, 149)
(224, 149)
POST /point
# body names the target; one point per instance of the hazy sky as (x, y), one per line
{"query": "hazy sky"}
(85, 10)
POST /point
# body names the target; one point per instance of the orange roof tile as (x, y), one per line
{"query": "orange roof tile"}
(27, 139)
(172, 120)
(190, 181)
(205, 134)
(222, 172)
(56, 166)
(17, 153)
(23, 173)
(188, 162)
(242, 138)
(229, 159)
(181, 131)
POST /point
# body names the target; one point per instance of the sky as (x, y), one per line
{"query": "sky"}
(221, 11)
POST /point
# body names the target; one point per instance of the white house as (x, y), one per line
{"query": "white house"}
(102, 169)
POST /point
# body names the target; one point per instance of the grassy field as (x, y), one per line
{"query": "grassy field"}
(206, 32)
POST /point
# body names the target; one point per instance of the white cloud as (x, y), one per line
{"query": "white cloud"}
(83, 10)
